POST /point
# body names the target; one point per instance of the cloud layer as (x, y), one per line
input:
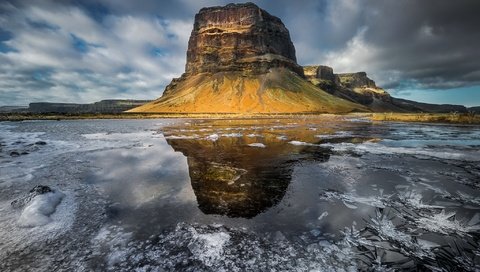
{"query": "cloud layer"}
(83, 52)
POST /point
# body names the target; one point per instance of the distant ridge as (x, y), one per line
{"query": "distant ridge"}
(359, 88)
(104, 106)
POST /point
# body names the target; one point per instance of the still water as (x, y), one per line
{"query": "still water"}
(321, 193)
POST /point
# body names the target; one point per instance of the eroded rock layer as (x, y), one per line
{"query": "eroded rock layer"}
(239, 37)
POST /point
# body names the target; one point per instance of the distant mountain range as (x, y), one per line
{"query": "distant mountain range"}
(104, 106)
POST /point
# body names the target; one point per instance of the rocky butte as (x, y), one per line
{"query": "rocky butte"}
(240, 59)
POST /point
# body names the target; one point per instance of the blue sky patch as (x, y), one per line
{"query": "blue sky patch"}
(156, 51)
(81, 45)
(4, 37)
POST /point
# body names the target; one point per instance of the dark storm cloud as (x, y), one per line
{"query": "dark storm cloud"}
(110, 49)
(432, 42)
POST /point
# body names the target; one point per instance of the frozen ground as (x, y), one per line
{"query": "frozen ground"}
(321, 195)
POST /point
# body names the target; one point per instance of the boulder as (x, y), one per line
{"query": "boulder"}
(24, 200)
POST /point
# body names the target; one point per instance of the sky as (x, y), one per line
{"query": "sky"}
(85, 51)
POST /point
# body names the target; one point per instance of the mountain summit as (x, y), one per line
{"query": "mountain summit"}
(240, 59)
(239, 37)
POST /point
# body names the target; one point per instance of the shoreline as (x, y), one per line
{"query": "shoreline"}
(449, 118)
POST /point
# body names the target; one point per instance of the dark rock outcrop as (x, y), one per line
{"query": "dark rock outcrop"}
(24, 200)
(413, 106)
(239, 37)
(11, 109)
(474, 109)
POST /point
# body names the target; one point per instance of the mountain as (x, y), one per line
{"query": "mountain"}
(240, 59)
(474, 109)
(359, 88)
(104, 106)
(12, 109)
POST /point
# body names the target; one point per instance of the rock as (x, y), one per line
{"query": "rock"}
(413, 106)
(14, 154)
(24, 200)
(239, 37)
(320, 72)
(323, 77)
(103, 106)
(355, 87)
(359, 88)
(240, 59)
(40, 189)
(474, 109)
(356, 80)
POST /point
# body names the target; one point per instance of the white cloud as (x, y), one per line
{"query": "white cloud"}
(356, 56)
(118, 58)
(360, 55)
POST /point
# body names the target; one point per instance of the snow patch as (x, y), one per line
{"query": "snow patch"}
(257, 145)
(114, 241)
(380, 149)
(300, 143)
(213, 137)
(350, 199)
(445, 223)
(38, 211)
(232, 135)
(338, 134)
(179, 137)
(208, 247)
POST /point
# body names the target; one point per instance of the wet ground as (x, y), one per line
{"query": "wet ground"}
(324, 193)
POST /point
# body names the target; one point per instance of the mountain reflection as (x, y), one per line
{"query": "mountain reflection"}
(231, 178)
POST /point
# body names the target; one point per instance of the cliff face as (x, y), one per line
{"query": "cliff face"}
(356, 80)
(240, 59)
(359, 88)
(355, 87)
(321, 72)
(239, 37)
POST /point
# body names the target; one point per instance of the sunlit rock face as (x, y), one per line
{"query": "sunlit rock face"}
(356, 80)
(240, 59)
(321, 72)
(239, 37)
